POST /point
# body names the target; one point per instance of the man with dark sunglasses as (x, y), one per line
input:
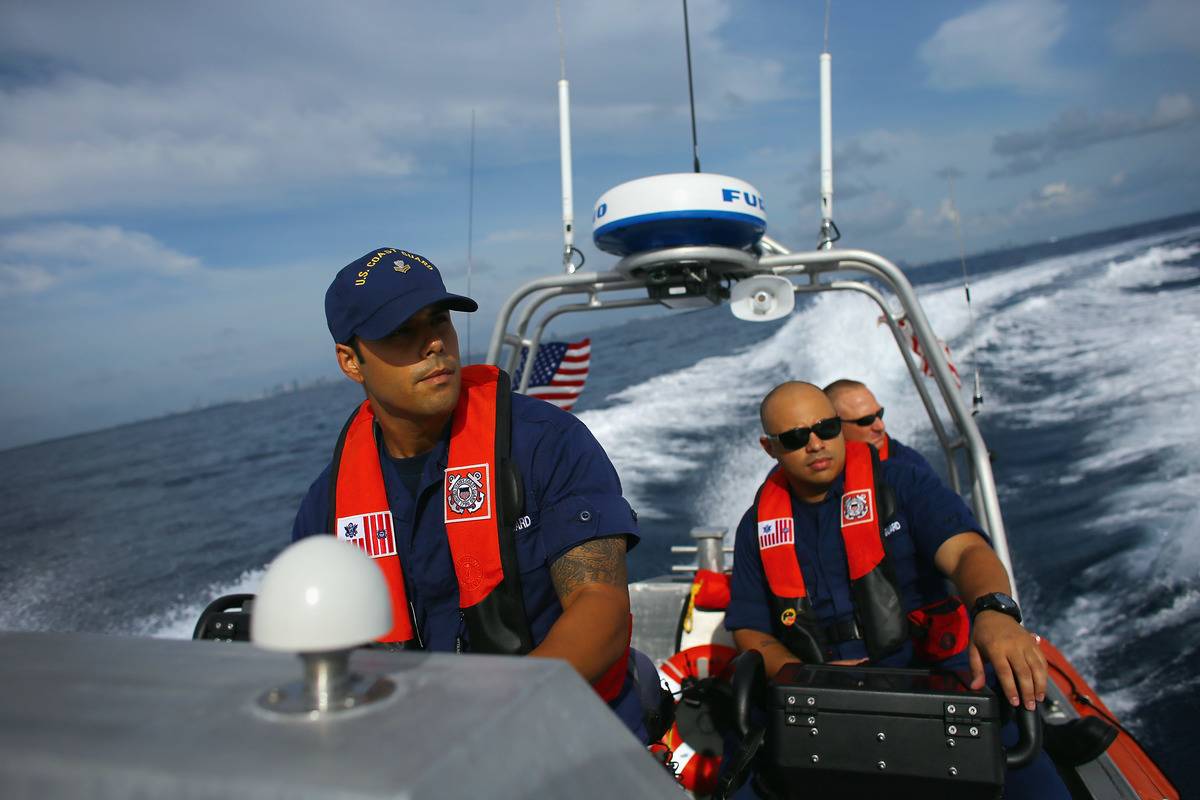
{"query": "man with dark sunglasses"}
(844, 558)
(499, 530)
(862, 421)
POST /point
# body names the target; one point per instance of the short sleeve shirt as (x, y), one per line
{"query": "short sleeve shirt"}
(902, 453)
(572, 495)
(927, 514)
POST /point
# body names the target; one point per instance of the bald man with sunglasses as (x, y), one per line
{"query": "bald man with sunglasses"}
(928, 535)
(798, 596)
(862, 421)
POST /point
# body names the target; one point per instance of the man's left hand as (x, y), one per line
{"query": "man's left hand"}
(1014, 653)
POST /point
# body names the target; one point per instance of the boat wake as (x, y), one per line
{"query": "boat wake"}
(178, 621)
(1089, 378)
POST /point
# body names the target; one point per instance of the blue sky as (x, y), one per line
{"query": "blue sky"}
(180, 181)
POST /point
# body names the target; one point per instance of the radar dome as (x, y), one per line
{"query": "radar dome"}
(678, 210)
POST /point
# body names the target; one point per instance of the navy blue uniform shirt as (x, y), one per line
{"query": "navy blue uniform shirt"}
(927, 514)
(902, 453)
(572, 495)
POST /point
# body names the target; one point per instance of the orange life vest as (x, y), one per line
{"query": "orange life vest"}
(872, 585)
(481, 497)
(942, 628)
(481, 543)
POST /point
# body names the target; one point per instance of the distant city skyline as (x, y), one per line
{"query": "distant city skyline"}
(182, 181)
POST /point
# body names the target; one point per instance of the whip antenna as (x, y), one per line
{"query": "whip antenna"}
(687, 43)
(829, 231)
(977, 397)
(564, 146)
(470, 224)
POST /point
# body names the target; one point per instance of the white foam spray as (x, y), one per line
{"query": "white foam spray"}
(178, 621)
(1115, 349)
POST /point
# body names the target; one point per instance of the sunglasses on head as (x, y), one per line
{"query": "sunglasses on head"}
(798, 437)
(869, 419)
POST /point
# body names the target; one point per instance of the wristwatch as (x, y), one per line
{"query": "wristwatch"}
(997, 601)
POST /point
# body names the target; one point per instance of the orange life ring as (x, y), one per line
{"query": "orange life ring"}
(696, 762)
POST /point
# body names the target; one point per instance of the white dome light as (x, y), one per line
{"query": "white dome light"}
(320, 594)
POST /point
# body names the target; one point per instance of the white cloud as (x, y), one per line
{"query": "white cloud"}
(1159, 25)
(291, 134)
(1056, 200)
(1078, 129)
(1054, 190)
(16, 279)
(1171, 110)
(89, 358)
(920, 224)
(863, 152)
(1004, 43)
(1052, 198)
(83, 143)
(135, 105)
(946, 213)
(34, 259)
(875, 213)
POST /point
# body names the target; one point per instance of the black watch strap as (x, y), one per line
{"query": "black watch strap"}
(997, 601)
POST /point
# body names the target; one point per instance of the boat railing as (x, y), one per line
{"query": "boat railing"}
(710, 550)
(698, 275)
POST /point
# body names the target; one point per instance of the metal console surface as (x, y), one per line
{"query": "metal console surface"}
(119, 717)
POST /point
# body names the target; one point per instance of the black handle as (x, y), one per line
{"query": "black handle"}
(749, 683)
(228, 607)
(1029, 739)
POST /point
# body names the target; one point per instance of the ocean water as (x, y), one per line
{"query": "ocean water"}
(1086, 347)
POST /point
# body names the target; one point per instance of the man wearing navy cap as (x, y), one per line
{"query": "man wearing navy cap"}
(497, 519)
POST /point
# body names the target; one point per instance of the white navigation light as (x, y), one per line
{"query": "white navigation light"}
(320, 594)
(762, 298)
(689, 208)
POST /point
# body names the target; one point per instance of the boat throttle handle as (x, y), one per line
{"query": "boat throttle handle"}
(749, 684)
(1029, 740)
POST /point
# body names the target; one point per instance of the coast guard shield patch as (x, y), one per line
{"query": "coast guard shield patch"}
(858, 507)
(466, 492)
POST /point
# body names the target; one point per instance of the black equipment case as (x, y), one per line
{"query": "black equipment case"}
(847, 732)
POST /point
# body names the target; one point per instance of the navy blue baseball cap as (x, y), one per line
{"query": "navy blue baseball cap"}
(374, 295)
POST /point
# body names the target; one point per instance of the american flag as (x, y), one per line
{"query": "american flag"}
(559, 372)
(906, 327)
(775, 533)
(371, 532)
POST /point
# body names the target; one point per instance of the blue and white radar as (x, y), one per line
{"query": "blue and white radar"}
(688, 208)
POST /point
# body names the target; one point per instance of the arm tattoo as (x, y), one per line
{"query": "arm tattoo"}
(596, 561)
